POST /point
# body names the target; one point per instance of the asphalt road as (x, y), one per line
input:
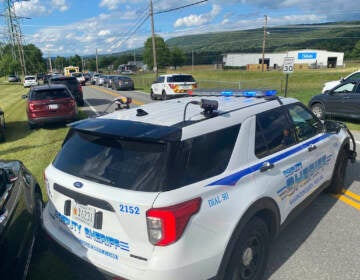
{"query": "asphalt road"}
(322, 243)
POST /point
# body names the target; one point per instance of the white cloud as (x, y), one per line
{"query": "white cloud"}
(110, 4)
(60, 5)
(103, 33)
(196, 20)
(36, 8)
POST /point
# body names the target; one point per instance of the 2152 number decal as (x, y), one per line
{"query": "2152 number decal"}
(133, 210)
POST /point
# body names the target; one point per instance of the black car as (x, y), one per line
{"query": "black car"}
(2, 125)
(122, 83)
(341, 101)
(20, 212)
(73, 85)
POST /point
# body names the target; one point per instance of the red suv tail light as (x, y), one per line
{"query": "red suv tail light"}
(166, 225)
(34, 106)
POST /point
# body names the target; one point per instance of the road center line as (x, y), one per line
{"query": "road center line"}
(347, 200)
(134, 101)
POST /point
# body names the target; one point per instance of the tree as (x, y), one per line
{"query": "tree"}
(34, 60)
(162, 53)
(177, 57)
(60, 63)
(356, 50)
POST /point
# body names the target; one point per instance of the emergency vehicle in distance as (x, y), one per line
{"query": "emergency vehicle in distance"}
(193, 187)
(70, 69)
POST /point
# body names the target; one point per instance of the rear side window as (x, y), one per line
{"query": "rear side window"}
(274, 132)
(49, 94)
(181, 79)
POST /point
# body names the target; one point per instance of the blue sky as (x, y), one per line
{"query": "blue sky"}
(66, 28)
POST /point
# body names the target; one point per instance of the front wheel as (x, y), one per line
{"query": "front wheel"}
(318, 110)
(250, 253)
(338, 178)
(152, 95)
(163, 95)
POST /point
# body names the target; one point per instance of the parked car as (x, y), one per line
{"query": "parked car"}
(21, 206)
(100, 80)
(355, 76)
(108, 80)
(30, 80)
(122, 83)
(49, 104)
(14, 79)
(193, 188)
(94, 78)
(80, 77)
(73, 85)
(172, 85)
(2, 125)
(341, 101)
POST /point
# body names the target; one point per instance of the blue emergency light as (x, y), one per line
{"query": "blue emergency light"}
(250, 93)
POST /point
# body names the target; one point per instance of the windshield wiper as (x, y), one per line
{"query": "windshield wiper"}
(97, 178)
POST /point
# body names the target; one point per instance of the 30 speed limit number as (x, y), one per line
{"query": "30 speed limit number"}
(288, 66)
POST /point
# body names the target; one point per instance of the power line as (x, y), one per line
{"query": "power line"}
(181, 7)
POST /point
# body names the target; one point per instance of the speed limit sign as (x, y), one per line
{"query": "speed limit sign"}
(288, 66)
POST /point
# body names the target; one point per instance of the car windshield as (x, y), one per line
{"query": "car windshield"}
(181, 78)
(144, 165)
(49, 94)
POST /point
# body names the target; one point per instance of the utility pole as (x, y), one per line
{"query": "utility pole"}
(97, 64)
(153, 40)
(15, 34)
(263, 46)
(192, 60)
(50, 65)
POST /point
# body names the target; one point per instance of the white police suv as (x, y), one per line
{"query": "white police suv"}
(190, 188)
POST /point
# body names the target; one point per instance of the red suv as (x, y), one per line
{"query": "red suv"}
(50, 103)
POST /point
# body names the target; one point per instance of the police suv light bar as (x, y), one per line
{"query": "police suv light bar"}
(236, 93)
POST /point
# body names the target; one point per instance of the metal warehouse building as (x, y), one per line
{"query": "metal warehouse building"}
(314, 58)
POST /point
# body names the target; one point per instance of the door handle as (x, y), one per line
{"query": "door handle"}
(312, 147)
(266, 166)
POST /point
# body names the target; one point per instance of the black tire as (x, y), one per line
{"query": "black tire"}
(163, 95)
(318, 110)
(338, 178)
(31, 125)
(152, 95)
(250, 254)
(37, 213)
(81, 102)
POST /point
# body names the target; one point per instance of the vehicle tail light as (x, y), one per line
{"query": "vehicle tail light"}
(166, 225)
(80, 88)
(172, 86)
(34, 106)
(194, 85)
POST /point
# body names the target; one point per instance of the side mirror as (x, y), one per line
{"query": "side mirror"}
(332, 126)
(24, 96)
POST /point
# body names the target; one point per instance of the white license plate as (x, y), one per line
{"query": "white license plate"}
(185, 87)
(53, 106)
(84, 214)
